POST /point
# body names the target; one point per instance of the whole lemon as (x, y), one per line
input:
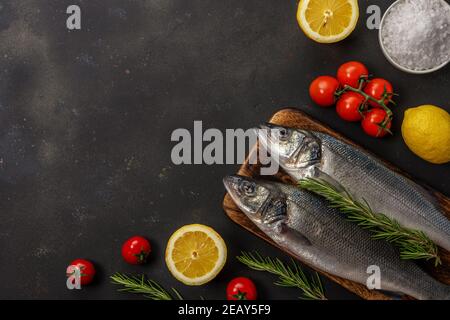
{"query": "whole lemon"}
(426, 131)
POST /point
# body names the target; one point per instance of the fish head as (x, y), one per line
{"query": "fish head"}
(263, 203)
(292, 148)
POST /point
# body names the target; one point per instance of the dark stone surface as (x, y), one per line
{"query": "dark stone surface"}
(86, 118)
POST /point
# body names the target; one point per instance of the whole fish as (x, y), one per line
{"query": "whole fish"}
(304, 225)
(303, 154)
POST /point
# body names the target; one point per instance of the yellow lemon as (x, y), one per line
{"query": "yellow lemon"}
(426, 131)
(195, 254)
(327, 21)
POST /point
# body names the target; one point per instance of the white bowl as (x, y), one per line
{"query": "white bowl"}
(386, 54)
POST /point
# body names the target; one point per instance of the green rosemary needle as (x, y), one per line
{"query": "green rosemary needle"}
(413, 244)
(149, 288)
(288, 276)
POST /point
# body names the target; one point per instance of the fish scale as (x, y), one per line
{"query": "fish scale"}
(329, 221)
(387, 191)
(323, 238)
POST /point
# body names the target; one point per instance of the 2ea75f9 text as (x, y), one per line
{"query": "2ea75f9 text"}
(225, 309)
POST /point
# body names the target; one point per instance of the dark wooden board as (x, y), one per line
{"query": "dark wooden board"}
(295, 118)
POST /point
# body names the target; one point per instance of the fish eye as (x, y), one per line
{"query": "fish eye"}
(248, 188)
(283, 134)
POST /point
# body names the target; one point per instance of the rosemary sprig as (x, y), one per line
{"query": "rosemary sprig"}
(288, 276)
(413, 244)
(149, 288)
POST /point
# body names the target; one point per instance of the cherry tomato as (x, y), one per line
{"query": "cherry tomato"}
(136, 250)
(348, 106)
(351, 72)
(241, 288)
(372, 121)
(87, 270)
(322, 90)
(376, 88)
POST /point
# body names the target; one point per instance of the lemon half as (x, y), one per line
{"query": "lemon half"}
(327, 21)
(195, 254)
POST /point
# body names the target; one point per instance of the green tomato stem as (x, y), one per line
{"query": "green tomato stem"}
(368, 97)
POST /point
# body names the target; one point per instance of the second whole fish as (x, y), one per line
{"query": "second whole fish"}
(305, 226)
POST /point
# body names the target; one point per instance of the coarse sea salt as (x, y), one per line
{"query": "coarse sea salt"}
(416, 34)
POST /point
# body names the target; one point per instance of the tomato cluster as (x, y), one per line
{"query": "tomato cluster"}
(357, 97)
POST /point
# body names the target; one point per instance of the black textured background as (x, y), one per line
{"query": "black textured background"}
(86, 118)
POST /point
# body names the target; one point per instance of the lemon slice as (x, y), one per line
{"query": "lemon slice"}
(327, 21)
(195, 254)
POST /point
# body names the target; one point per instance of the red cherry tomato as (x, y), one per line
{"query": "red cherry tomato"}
(241, 288)
(87, 270)
(348, 106)
(351, 72)
(136, 250)
(322, 90)
(372, 122)
(376, 88)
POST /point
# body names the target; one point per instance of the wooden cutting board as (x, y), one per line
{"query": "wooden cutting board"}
(294, 118)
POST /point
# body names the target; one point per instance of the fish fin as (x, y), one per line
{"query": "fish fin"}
(320, 175)
(291, 236)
